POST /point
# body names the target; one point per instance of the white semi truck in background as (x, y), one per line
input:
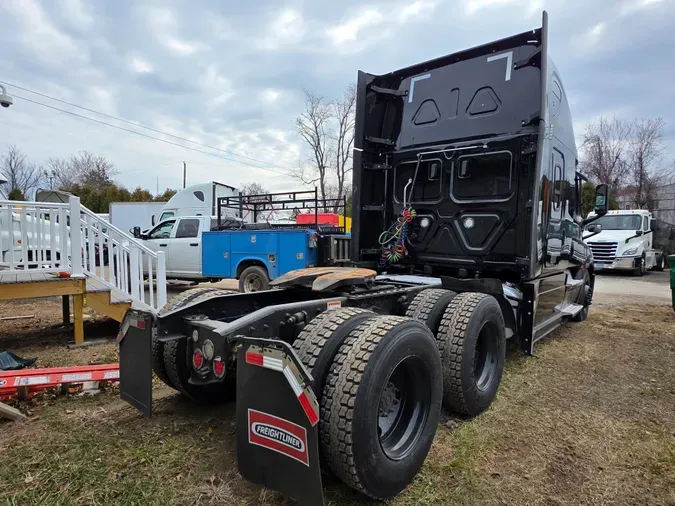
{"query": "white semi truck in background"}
(194, 200)
(623, 240)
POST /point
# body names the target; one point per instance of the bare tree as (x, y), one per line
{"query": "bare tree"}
(252, 188)
(83, 168)
(62, 172)
(343, 138)
(313, 126)
(93, 170)
(645, 158)
(20, 173)
(604, 151)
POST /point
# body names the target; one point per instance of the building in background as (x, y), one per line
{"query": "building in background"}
(664, 202)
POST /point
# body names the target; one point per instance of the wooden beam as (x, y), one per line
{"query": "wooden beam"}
(100, 302)
(11, 413)
(78, 318)
(65, 309)
(11, 291)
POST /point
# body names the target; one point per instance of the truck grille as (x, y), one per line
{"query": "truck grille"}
(603, 251)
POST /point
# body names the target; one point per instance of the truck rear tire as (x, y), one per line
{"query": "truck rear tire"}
(320, 340)
(254, 279)
(429, 305)
(381, 404)
(472, 342)
(179, 301)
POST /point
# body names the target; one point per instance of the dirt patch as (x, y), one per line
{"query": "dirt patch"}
(589, 420)
(46, 338)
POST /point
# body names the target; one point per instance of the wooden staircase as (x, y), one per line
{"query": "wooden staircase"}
(106, 300)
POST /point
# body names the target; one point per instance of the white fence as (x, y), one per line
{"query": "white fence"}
(40, 237)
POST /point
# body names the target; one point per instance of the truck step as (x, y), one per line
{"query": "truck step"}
(571, 309)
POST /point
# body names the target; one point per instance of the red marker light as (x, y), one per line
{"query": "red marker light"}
(197, 359)
(218, 367)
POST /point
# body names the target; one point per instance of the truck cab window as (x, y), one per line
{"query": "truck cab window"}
(482, 177)
(166, 216)
(187, 228)
(199, 194)
(645, 224)
(428, 179)
(163, 231)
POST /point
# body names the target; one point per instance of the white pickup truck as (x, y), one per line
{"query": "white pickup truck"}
(623, 241)
(181, 241)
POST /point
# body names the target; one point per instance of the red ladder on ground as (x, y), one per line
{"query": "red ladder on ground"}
(31, 381)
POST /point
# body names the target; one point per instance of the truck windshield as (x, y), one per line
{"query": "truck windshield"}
(620, 222)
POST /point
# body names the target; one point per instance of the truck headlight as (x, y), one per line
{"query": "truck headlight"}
(630, 252)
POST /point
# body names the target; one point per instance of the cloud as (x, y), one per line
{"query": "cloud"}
(270, 95)
(37, 33)
(349, 30)
(231, 75)
(77, 13)
(164, 26)
(286, 28)
(140, 65)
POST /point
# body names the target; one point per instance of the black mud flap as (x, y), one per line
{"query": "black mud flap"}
(135, 342)
(277, 422)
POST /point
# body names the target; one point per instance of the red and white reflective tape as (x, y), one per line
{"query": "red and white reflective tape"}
(277, 364)
(312, 415)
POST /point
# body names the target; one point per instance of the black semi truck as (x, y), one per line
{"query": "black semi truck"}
(467, 232)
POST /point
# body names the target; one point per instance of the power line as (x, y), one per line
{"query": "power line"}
(148, 136)
(141, 126)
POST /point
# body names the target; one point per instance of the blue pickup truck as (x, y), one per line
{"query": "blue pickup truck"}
(256, 256)
(199, 248)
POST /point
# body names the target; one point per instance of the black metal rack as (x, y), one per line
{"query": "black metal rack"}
(267, 203)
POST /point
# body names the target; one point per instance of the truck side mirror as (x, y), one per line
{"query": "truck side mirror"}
(136, 232)
(595, 229)
(638, 233)
(601, 199)
(152, 220)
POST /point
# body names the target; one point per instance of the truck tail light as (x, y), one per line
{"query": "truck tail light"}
(198, 359)
(218, 367)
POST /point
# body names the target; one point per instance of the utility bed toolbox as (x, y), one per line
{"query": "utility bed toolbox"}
(280, 250)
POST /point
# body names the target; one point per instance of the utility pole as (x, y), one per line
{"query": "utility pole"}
(184, 173)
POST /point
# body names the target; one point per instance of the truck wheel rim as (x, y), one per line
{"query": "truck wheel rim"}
(404, 407)
(253, 283)
(485, 356)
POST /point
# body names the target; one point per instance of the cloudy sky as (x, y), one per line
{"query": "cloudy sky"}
(230, 74)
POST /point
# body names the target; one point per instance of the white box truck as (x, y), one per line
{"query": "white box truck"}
(127, 215)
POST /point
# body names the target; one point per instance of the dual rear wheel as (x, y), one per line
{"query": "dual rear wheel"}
(381, 381)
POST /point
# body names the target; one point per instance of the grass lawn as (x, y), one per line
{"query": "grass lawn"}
(589, 420)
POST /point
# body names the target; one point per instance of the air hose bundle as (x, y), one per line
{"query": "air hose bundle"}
(394, 240)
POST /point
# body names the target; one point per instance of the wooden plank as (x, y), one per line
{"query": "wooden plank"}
(42, 289)
(32, 277)
(11, 413)
(7, 278)
(78, 318)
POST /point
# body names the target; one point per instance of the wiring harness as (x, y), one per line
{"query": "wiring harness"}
(394, 240)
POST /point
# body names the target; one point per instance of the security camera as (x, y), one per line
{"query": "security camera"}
(5, 99)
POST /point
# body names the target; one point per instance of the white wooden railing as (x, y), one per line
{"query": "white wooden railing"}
(40, 237)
